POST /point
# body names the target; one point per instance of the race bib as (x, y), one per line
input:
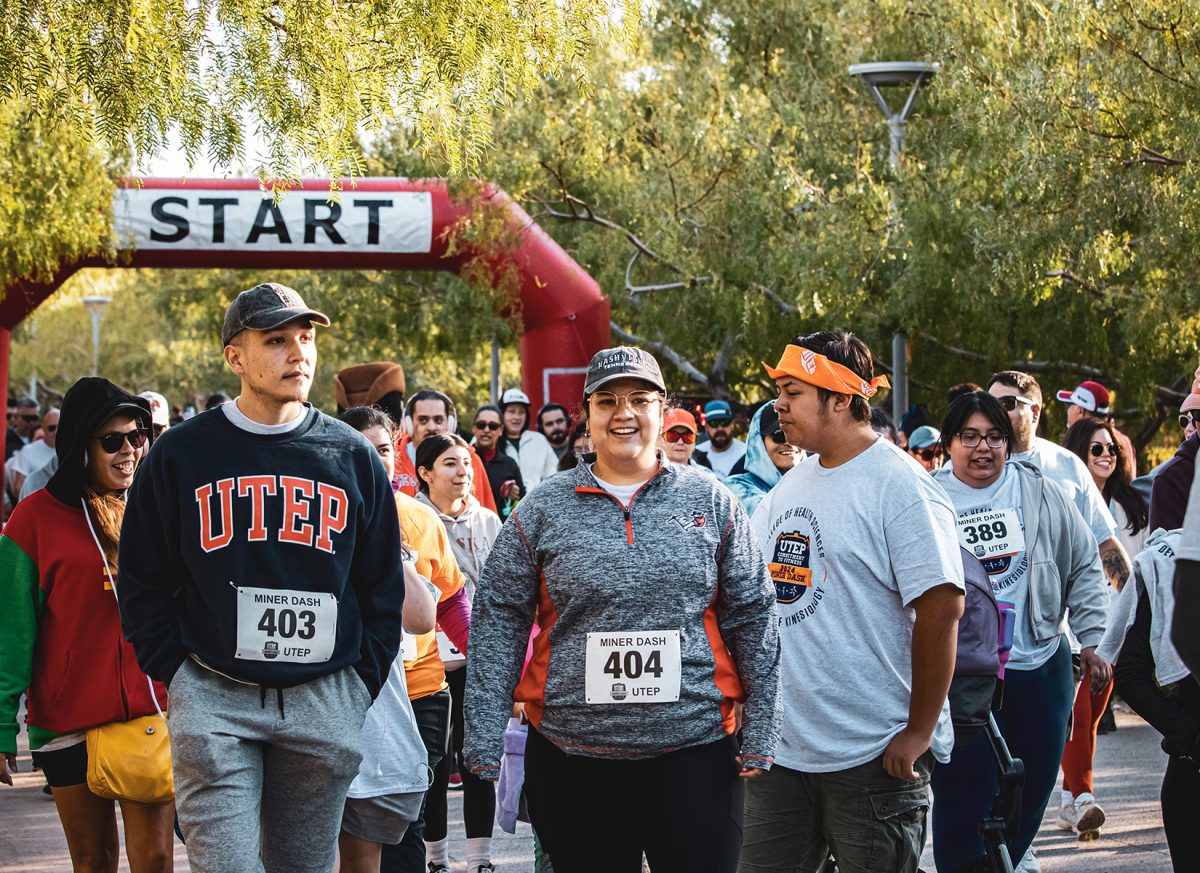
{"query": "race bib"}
(408, 647)
(451, 657)
(991, 534)
(294, 627)
(632, 667)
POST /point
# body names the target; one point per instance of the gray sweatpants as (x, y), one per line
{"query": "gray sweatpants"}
(260, 781)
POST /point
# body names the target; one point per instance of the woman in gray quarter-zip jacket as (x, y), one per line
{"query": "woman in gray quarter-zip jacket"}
(657, 621)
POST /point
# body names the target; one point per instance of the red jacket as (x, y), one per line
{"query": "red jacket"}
(60, 633)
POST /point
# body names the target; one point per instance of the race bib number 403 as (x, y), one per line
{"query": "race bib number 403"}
(632, 667)
(294, 627)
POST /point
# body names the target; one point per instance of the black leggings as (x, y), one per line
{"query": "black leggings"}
(479, 795)
(682, 809)
(1180, 807)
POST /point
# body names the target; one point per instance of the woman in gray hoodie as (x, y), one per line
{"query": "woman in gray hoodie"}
(445, 475)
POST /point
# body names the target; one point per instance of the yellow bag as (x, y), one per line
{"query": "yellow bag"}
(131, 760)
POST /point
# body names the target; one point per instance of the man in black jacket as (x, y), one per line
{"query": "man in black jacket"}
(260, 576)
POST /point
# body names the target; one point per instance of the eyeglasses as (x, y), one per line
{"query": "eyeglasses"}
(1010, 401)
(51, 428)
(488, 425)
(579, 451)
(928, 455)
(719, 422)
(1099, 449)
(1187, 419)
(32, 419)
(970, 439)
(112, 442)
(675, 436)
(777, 437)
(639, 402)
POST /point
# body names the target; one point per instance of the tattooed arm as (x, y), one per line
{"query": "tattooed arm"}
(1115, 559)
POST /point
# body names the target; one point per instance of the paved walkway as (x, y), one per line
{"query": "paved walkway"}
(1129, 768)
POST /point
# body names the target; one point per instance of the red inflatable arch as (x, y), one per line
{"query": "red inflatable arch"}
(378, 224)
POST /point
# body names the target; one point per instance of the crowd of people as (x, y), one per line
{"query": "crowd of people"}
(652, 640)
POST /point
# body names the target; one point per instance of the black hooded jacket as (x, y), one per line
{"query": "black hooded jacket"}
(88, 404)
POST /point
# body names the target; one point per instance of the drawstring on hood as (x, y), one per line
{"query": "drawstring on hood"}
(88, 404)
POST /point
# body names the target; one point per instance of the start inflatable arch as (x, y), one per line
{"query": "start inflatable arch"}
(378, 224)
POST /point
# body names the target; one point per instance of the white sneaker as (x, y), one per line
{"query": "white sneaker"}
(1088, 818)
(1066, 817)
(1029, 863)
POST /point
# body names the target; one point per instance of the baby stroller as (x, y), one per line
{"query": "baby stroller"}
(985, 636)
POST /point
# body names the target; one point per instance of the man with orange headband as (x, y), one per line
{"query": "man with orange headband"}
(861, 546)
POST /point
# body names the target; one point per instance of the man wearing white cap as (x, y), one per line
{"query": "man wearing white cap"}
(1092, 400)
(160, 413)
(532, 451)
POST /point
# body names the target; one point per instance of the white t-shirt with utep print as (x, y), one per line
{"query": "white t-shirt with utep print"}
(849, 549)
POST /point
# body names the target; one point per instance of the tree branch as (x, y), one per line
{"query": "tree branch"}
(679, 361)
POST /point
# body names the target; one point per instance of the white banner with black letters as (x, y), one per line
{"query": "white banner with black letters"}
(187, 219)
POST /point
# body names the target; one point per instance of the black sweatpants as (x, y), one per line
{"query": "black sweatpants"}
(479, 795)
(433, 723)
(1180, 808)
(683, 809)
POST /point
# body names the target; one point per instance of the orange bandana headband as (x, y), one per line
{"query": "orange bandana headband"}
(816, 369)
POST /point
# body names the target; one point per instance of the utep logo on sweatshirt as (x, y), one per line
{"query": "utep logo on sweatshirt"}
(303, 512)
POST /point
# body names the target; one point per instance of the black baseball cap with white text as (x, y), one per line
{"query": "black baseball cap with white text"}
(622, 362)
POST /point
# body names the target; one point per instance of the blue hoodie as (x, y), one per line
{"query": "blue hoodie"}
(761, 474)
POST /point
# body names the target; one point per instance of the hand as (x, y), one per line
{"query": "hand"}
(515, 492)
(1100, 670)
(518, 712)
(902, 753)
(8, 766)
(748, 772)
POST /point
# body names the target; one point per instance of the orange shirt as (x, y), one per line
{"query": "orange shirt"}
(424, 533)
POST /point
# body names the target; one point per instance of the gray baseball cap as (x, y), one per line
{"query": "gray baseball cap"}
(623, 362)
(266, 307)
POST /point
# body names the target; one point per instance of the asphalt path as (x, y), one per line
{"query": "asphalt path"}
(1129, 766)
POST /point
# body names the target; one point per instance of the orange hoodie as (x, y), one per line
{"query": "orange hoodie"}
(406, 474)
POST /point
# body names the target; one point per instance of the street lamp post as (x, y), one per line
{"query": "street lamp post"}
(914, 75)
(95, 307)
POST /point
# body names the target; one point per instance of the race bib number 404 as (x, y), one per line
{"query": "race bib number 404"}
(293, 627)
(633, 667)
(991, 534)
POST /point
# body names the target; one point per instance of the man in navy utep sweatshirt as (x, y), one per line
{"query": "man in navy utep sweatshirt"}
(260, 577)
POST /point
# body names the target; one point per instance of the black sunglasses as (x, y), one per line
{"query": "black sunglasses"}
(777, 437)
(112, 442)
(31, 418)
(1098, 449)
(51, 428)
(925, 455)
(487, 425)
(1187, 419)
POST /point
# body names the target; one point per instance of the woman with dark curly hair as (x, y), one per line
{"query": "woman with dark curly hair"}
(1097, 445)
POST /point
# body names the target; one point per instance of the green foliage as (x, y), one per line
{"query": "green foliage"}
(162, 331)
(57, 204)
(307, 75)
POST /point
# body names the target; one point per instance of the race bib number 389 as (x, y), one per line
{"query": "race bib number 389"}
(633, 667)
(294, 627)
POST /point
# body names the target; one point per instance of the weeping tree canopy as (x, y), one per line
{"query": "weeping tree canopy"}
(307, 77)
